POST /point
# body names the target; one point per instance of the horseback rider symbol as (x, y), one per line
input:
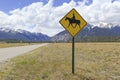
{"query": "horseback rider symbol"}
(72, 21)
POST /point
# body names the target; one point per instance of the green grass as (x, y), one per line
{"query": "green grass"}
(93, 61)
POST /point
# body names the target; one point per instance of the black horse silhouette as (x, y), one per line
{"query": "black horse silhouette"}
(72, 21)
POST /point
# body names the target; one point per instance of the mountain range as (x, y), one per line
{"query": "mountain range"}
(91, 33)
(21, 35)
(101, 32)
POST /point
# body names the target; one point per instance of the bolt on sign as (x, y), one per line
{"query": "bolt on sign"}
(73, 22)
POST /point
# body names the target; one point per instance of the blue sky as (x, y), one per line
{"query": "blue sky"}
(44, 15)
(8, 5)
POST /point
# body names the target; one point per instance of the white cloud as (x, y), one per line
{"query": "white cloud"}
(103, 11)
(38, 17)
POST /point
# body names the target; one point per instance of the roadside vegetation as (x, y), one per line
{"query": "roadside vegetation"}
(4, 45)
(93, 61)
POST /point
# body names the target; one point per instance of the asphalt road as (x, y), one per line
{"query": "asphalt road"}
(8, 53)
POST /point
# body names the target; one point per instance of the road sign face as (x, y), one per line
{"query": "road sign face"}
(73, 22)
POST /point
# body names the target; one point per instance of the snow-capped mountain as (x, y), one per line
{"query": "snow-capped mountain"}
(106, 25)
(4, 29)
(101, 32)
(8, 33)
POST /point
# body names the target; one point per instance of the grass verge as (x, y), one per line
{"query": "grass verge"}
(93, 61)
(4, 45)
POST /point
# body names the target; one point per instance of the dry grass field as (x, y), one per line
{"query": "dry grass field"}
(93, 61)
(4, 45)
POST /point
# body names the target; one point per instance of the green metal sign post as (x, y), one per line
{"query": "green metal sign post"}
(73, 49)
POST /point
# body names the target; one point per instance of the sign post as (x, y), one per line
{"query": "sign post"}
(73, 49)
(73, 23)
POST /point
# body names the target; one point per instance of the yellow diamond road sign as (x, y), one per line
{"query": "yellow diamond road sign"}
(73, 22)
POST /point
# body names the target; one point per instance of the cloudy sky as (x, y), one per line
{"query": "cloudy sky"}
(44, 15)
